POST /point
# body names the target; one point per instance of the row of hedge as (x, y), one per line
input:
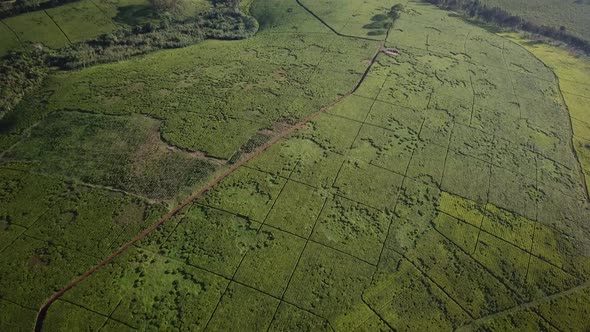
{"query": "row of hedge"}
(500, 17)
(13, 8)
(23, 71)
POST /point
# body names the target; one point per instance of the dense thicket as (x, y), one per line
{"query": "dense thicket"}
(500, 17)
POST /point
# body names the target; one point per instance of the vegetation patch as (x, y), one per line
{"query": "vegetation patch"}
(37, 27)
(353, 228)
(442, 194)
(501, 17)
(330, 284)
(120, 152)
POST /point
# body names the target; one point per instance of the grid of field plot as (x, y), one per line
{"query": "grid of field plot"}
(444, 193)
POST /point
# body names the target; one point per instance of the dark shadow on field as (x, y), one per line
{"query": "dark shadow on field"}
(134, 14)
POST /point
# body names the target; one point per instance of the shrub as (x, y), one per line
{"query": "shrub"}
(25, 6)
(20, 72)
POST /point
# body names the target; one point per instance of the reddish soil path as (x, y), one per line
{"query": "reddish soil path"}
(45, 308)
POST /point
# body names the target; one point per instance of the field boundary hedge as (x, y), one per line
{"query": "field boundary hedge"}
(207, 187)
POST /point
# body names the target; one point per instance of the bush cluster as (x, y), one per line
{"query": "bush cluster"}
(19, 74)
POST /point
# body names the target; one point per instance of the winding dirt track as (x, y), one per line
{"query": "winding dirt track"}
(45, 308)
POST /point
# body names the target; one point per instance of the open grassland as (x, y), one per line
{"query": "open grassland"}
(368, 19)
(9, 39)
(284, 76)
(574, 81)
(122, 152)
(573, 15)
(443, 194)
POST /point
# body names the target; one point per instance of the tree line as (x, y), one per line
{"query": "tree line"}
(23, 71)
(501, 17)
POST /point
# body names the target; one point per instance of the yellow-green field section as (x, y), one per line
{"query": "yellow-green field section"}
(443, 194)
(574, 81)
(96, 155)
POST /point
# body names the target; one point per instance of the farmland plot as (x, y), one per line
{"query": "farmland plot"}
(571, 15)
(37, 27)
(285, 75)
(117, 145)
(58, 26)
(121, 152)
(433, 197)
(81, 20)
(70, 227)
(367, 19)
(572, 74)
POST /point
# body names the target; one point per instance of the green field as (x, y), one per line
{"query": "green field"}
(571, 14)
(9, 39)
(574, 77)
(36, 27)
(442, 188)
(81, 20)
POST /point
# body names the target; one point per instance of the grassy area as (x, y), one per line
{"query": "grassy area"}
(9, 40)
(219, 119)
(120, 152)
(369, 19)
(65, 130)
(83, 20)
(348, 219)
(35, 27)
(65, 232)
(573, 74)
(443, 191)
(571, 14)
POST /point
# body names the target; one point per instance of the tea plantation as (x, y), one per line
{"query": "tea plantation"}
(353, 166)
